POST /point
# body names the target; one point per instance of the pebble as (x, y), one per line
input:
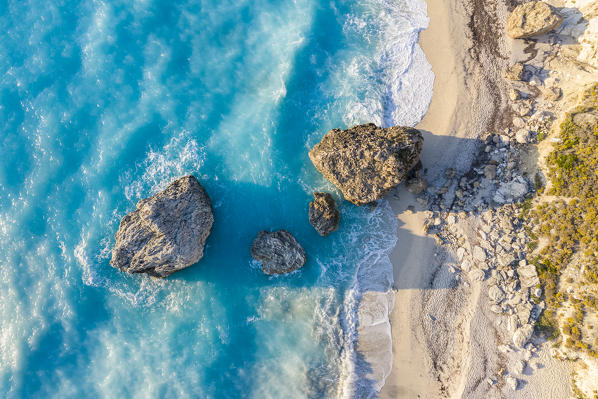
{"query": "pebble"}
(479, 254)
(512, 383)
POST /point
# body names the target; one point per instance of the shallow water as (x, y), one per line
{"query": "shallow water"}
(103, 103)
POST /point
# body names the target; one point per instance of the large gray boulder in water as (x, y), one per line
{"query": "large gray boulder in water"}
(323, 214)
(279, 252)
(167, 232)
(366, 161)
(532, 19)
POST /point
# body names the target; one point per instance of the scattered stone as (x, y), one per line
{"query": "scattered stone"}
(512, 191)
(523, 335)
(496, 309)
(518, 122)
(479, 254)
(512, 383)
(524, 136)
(514, 94)
(522, 108)
(416, 185)
(477, 275)
(323, 214)
(166, 232)
(279, 252)
(517, 367)
(365, 161)
(515, 72)
(496, 294)
(532, 19)
(535, 81)
(490, 172)
(528, 276)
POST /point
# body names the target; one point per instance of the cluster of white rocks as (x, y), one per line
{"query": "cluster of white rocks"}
(475, 217)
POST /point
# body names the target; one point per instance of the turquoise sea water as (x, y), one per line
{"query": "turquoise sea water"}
(103, 103)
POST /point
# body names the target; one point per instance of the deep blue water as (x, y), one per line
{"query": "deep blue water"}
(103, 103)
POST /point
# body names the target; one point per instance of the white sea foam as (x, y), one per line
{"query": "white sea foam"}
(394, 87)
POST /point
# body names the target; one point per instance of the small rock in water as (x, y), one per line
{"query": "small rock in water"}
(323, 214)
(279, 252)
(365, 162)
(166, 232)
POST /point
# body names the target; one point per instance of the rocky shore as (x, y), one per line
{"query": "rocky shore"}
(468, 327)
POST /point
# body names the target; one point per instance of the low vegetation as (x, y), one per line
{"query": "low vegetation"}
(564, 225)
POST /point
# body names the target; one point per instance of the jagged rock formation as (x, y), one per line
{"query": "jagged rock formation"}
(515, 72)
(323, 214)
(532, 19)
(279, 252)
(166, 232)
(366, 161)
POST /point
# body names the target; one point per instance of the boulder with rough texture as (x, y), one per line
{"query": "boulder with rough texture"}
(523, 335)
(366, 161)
(166, 232)
(532, 19)
(323, 214)
(278, 251)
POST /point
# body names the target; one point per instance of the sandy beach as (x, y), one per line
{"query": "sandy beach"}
(446, 341)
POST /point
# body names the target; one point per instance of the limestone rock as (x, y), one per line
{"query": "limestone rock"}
(166, 232)
(517, 367)
(515, 72)
(514, 94)
(479, 254)
(552, 93)
(532, 19)
(528, 276)
(496, 294)
(477, 275)
(523, 335)
(524, 136)
(512, 383)
(278, 251)
(416, 185)
(512, 191)
(323, 214)
(366, 161)
(490, 172)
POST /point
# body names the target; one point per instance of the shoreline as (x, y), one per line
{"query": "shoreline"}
(413, 256)
(447, 339)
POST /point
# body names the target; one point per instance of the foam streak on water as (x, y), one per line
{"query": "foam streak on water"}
(103, 103)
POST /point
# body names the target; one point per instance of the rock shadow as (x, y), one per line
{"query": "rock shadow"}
(464, 176)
